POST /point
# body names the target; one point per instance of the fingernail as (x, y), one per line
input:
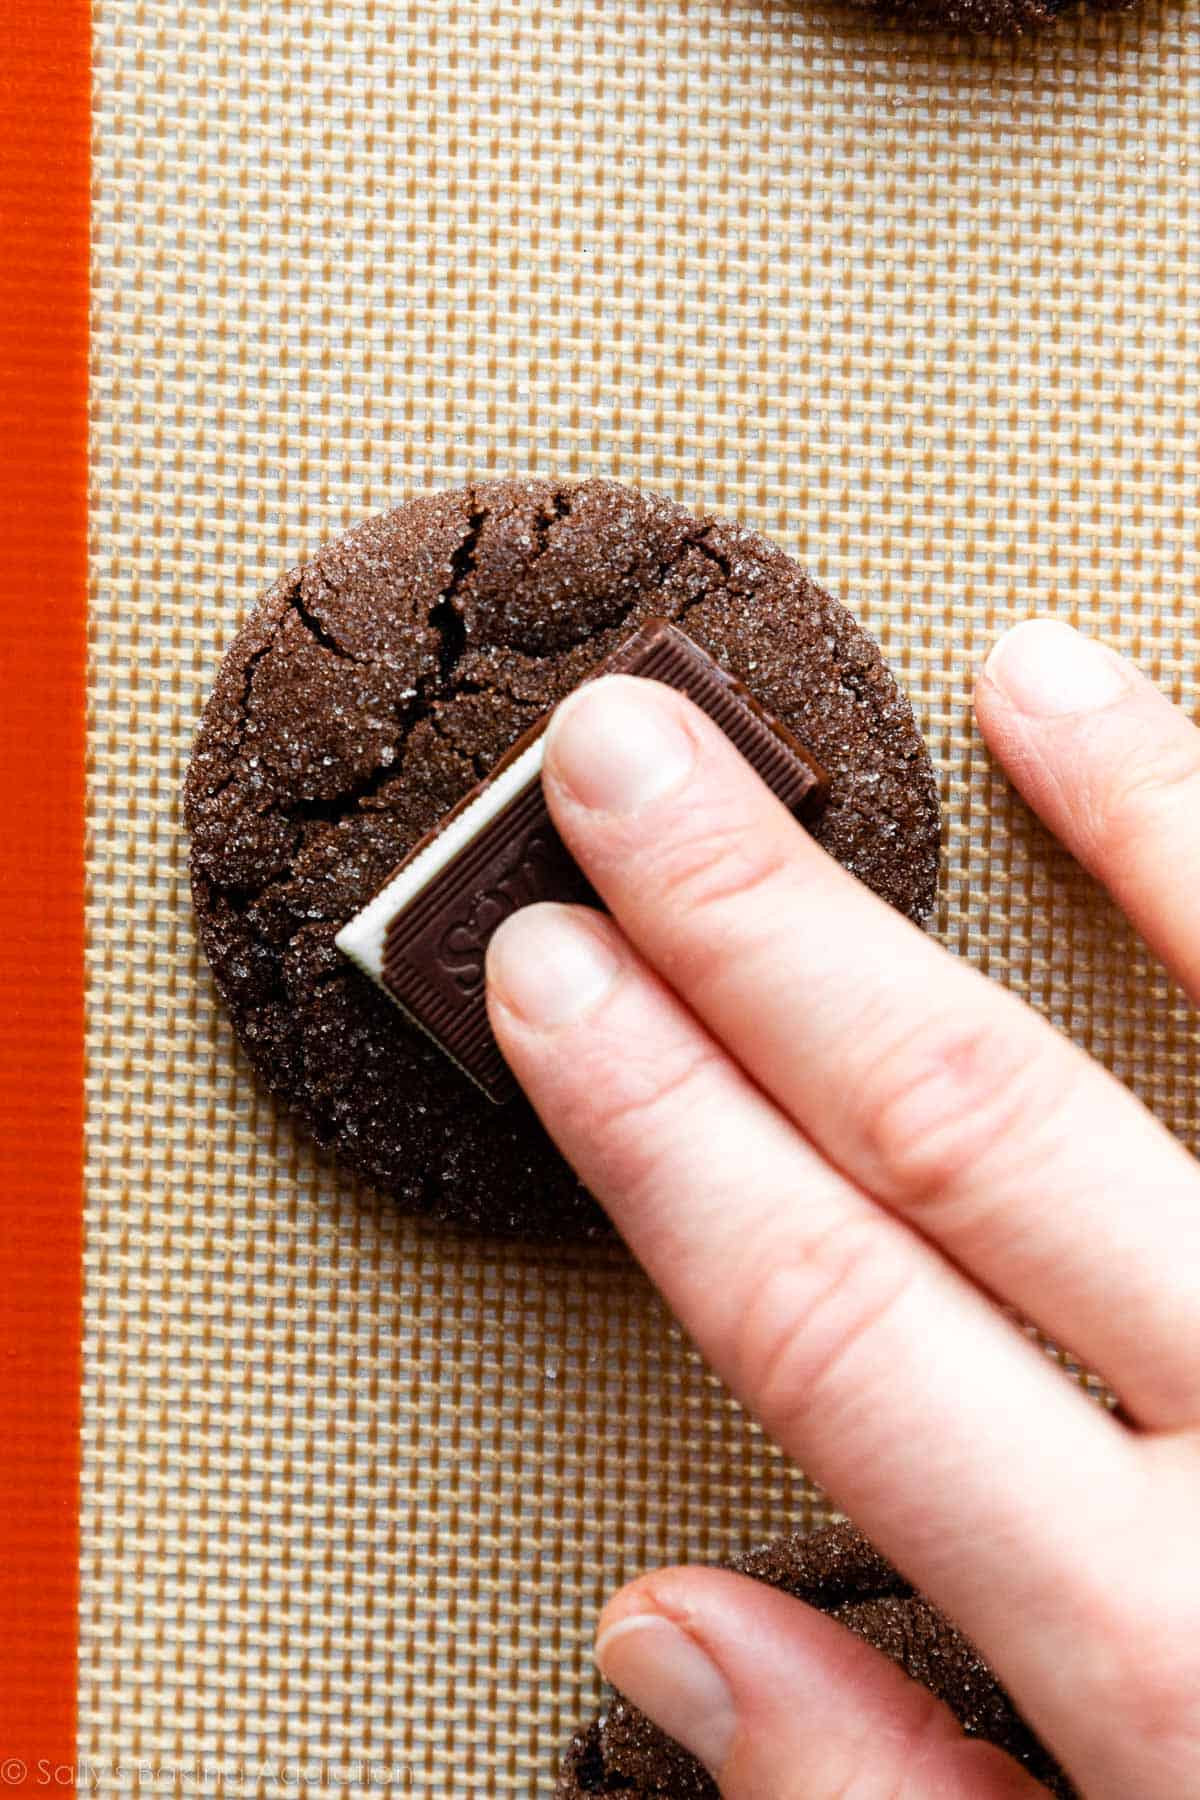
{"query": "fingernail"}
(550, 964)
(665, 1672)
(618, 744)
(1047, 670)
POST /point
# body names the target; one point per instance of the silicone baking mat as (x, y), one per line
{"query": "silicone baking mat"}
(924, 310)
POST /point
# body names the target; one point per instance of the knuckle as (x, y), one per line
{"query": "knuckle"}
(1163, 774)
(712, 863)
(949, 1100)
(1152, 1686)
(717, 879)
(1165, 1704)
(639, 1106)
(1136, 1620)
(643, 1088)
(862, 1779)
(909, 1762)
(866, 1779)
(804, 1318)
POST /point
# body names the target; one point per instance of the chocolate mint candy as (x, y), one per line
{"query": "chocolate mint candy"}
(380, 680)
(424, 936)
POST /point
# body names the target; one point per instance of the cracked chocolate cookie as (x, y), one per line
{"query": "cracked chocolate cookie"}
(981, 18)
(375, 685)
(838, 1571)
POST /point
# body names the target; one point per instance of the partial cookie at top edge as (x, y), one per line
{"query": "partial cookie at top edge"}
(980, 18)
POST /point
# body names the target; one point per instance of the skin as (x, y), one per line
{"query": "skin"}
(834, 1161)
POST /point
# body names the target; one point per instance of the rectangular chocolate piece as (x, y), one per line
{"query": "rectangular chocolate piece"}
(424, 935)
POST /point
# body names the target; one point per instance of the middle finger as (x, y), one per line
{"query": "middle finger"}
(929, 1085)
(867, 1357)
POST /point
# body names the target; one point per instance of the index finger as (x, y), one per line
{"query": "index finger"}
(924, 1082)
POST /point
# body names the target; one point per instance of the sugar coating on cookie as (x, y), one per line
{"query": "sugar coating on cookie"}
(981, 18)
(424, 937)
(377, 684)
(840, 1572)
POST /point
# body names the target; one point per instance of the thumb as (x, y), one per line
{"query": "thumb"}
(779, 1702)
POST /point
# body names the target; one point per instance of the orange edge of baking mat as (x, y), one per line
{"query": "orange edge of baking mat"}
(45, 122)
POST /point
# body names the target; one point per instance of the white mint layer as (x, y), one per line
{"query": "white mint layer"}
(362, 940)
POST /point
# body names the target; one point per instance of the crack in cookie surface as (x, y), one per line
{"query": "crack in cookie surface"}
(342, 727)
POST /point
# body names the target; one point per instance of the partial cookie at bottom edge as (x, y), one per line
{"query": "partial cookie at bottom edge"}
(838, 1571)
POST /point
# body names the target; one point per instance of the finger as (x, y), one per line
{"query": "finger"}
(781, 1703)
(925, 1083)
(955, 1443)
(1111, 766)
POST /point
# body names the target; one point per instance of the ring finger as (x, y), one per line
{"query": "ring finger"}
(1111, 766)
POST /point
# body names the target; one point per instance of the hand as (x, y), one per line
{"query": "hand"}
(833, 1146)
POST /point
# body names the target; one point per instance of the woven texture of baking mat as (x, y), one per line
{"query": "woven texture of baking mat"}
(353, 1490)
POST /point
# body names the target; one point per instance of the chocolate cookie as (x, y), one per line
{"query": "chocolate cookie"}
(374, 686)
(980, 18)
(841, 1573)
